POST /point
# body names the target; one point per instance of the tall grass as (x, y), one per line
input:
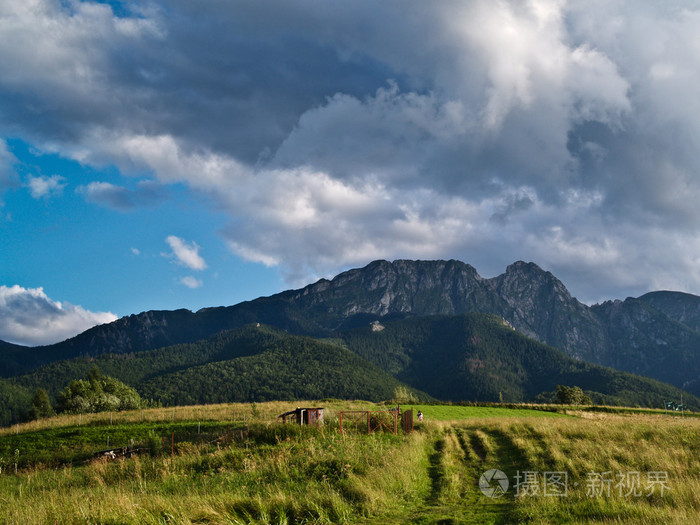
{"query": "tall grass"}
(273, 473)
(278, 474)
(641, 469)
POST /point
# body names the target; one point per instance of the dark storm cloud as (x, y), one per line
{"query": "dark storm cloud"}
(233, 78)
(560, 132)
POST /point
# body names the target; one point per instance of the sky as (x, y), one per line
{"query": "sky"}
(164, 154)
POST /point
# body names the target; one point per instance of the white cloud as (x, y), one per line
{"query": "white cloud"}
(29, 317)
(186, 253)
(191, 282)
(43, 187)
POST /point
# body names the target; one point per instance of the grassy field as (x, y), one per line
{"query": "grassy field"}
(458, 412)
(236, 464)
(605, 469)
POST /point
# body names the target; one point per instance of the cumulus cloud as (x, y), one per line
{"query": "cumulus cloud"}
(29, 317)
(187, 254)
(191, 282)
(563, 132)
(43, 187)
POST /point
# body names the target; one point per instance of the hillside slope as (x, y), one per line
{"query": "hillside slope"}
(681, 307)
(643, 340)
(253, 363)
(480, 357)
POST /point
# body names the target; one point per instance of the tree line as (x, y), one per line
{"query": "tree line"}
(96, 393)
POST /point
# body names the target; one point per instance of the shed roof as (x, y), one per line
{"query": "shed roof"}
(299, 409)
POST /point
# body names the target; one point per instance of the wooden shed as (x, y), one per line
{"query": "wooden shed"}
(303, 416)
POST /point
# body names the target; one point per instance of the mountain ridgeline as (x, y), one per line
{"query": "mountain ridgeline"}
(655, 335)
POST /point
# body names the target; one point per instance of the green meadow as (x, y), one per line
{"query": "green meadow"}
(237, 464)
(458, 412)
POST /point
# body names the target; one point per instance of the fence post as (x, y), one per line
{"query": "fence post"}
(172, 444)
(368, 424)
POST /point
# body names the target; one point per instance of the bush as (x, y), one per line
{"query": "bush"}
(402, 395)
(97, 394)
(567, 395)
(154, 444)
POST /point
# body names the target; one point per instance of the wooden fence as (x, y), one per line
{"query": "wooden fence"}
(376, 420)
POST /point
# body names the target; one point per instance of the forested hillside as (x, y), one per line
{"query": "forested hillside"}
(481, 357)
(253, 363)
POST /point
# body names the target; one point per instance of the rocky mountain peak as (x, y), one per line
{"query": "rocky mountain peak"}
(542, 307)
(525, 279)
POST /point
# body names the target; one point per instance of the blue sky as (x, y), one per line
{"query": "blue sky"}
(123, 253)
(167, 154)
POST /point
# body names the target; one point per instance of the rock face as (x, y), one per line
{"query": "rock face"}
(542, 308)
(655, 335)
(402, 287)
(533, 301)
(682, 307)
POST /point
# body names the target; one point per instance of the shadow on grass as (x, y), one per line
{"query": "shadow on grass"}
(436, 472)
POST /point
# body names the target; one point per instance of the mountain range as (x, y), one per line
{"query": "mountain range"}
(656, 335)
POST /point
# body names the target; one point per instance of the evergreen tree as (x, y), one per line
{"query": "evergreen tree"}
(41, 405)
